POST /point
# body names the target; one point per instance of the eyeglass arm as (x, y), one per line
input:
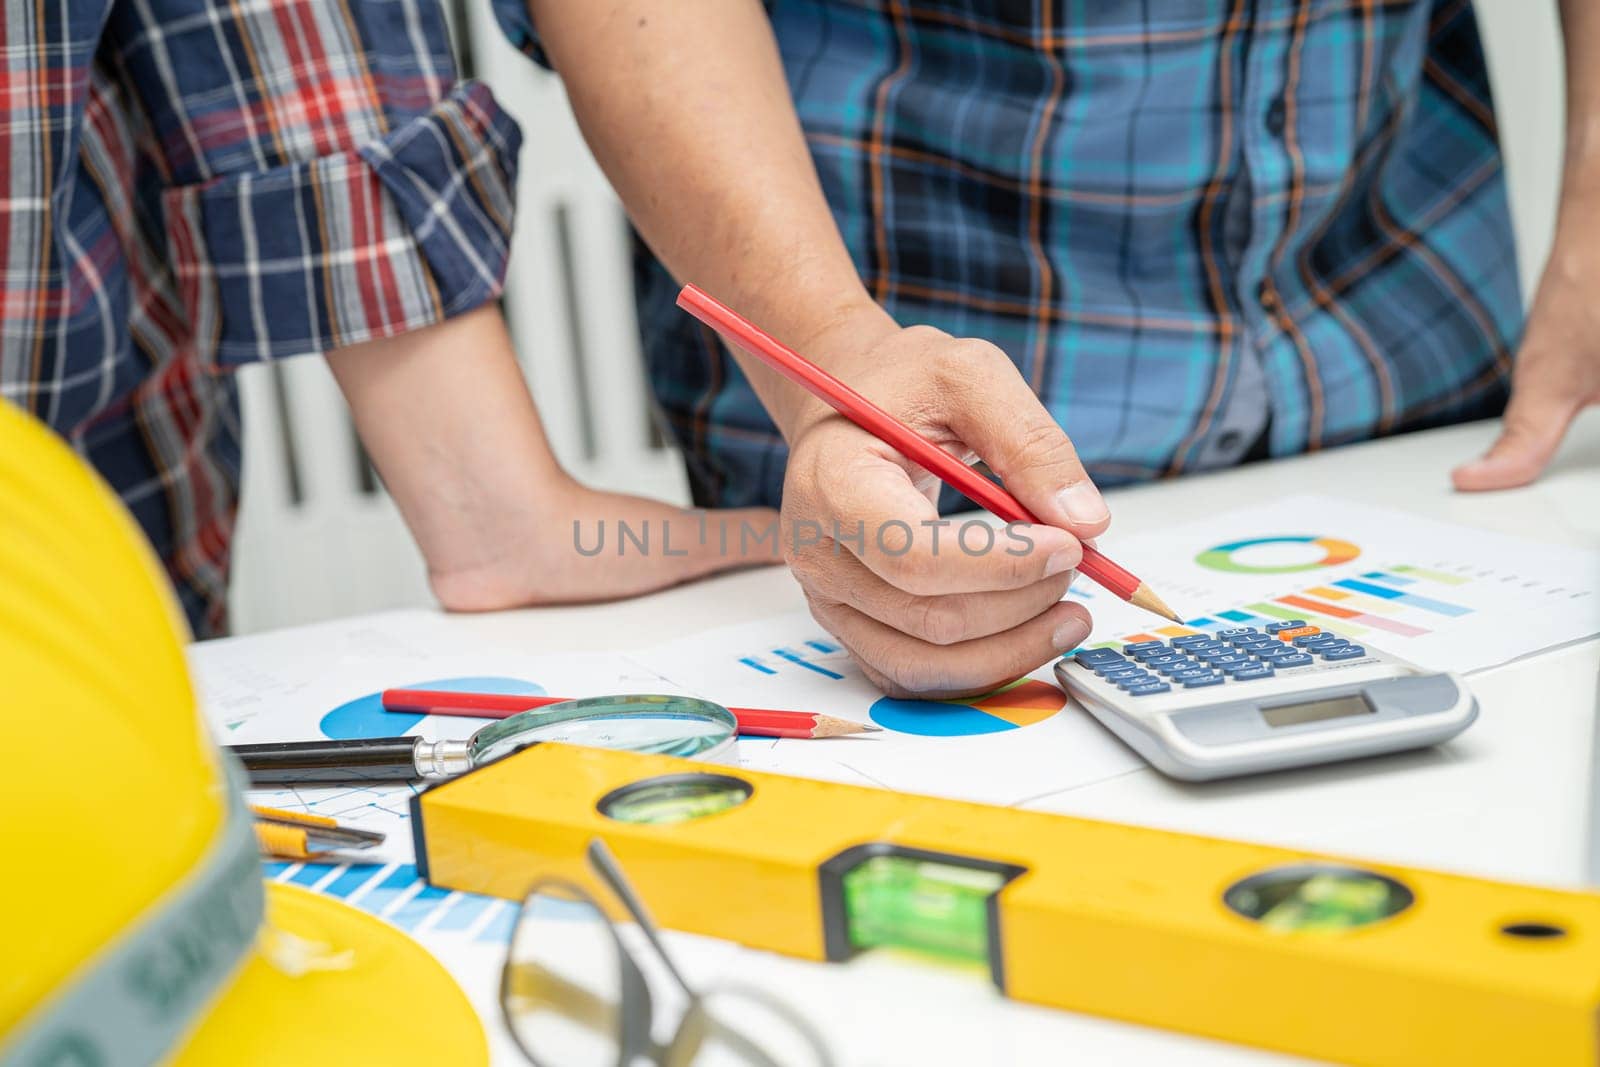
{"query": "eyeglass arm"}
(605, 865)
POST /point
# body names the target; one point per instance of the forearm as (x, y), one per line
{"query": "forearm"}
(1557, 370)
(1580, 28)
(447, 418)
(687, 110)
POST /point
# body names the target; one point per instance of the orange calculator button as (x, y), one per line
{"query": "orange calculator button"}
(1288, 636)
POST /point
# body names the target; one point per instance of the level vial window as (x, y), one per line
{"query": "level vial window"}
(920, 904)
(675, 798)
(1318, 898)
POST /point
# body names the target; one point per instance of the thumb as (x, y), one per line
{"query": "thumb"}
(1001, 420)
(1535, 421)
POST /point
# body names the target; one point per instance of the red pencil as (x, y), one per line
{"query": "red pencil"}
(886, 428)
(753, 722)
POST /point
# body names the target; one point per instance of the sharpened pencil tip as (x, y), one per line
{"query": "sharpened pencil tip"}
(829, 726)
(1145, 597)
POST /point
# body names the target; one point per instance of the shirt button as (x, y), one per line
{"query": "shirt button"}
(1269, 296)
(1276, 117)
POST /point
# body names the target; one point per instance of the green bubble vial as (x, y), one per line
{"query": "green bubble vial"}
(921, 905)
(675, 798)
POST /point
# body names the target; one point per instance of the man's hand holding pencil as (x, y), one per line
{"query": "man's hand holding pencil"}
(925, 619)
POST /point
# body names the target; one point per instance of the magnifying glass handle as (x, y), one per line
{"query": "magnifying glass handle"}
(366, 759)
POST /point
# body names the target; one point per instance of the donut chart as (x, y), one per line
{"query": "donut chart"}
(1334, 552)
(1018, 704)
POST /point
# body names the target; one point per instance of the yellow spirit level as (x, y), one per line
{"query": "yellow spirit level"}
(1370, 964)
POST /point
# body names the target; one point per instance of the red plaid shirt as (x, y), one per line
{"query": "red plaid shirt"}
(189, 185)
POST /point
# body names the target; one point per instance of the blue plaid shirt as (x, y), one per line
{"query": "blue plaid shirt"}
(1190, 223)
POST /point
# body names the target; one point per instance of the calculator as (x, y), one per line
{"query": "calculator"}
(1247, 700)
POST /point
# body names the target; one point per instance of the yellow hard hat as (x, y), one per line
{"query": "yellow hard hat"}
(134, 921)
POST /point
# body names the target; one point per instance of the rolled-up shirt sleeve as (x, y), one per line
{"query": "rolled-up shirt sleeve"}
(325, 179)
(517, 24)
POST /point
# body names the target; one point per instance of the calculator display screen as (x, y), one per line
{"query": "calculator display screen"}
(1315, 711)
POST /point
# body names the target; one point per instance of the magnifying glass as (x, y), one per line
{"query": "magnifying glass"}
(662, 725)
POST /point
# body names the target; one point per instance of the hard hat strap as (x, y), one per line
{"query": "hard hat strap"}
(135, 1001)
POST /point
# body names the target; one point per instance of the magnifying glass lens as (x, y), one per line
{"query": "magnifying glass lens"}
(662, 725)
(642, 732)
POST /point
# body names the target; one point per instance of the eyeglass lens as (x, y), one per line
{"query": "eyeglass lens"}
(563, 982)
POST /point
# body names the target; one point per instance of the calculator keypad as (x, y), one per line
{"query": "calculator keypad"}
(1203, 680)
(1240, 654)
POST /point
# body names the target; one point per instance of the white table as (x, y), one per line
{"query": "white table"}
(1508, 799)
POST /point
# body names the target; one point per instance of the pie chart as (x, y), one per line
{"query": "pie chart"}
(1019, 704)
(365, 717)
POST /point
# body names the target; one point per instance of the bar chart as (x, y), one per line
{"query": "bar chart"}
(395, 892)
(1393, 603)
(1447, 616)
(822, 658)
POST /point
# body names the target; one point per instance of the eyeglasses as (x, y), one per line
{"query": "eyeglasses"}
(576, 991)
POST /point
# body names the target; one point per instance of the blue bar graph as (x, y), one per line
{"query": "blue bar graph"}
(1242, 618)
(501, 926)
(409, 915)
(353, 878)
(801, 655)
(389, 890)
(464, 911)
(1392, 579)
(457, 912)
(786, 654)
(1207, 624)
(311, 874)
(1438, 607)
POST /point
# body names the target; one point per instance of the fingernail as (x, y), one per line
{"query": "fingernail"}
(1082, 503)
(1063, 559)
(1068, 635)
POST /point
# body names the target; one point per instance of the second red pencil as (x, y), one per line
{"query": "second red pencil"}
(753, 722)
